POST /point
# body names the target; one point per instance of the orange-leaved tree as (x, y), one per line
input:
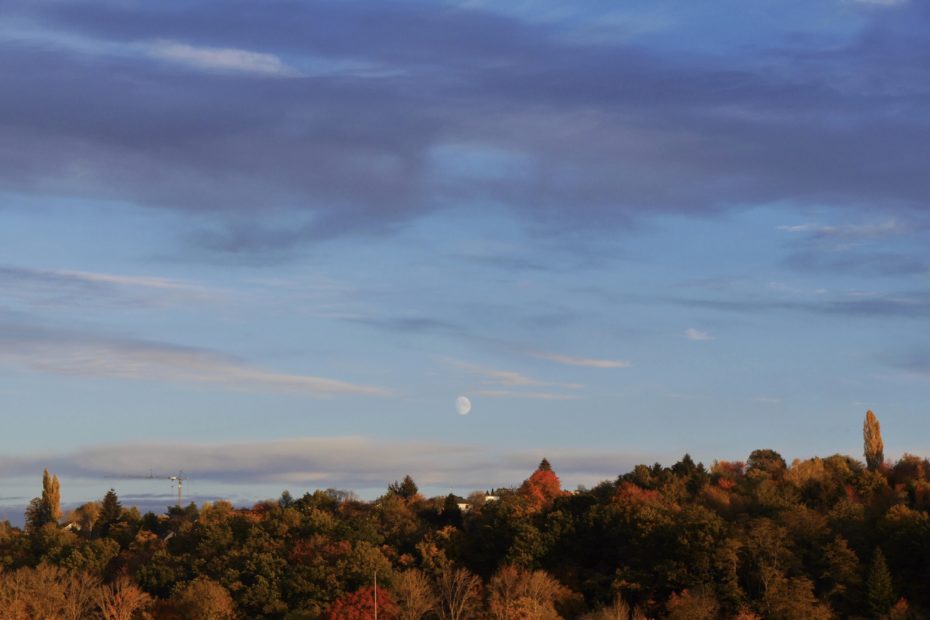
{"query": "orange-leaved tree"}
(542, 487)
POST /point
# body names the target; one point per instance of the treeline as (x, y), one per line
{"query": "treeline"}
(820, 538)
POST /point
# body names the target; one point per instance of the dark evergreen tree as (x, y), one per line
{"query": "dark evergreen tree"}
(451, 512)
(110, 512)
(684, 467)
(879, 589)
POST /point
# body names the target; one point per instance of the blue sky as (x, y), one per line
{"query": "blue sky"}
(269, 244)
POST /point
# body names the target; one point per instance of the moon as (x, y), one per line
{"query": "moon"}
(462, 405)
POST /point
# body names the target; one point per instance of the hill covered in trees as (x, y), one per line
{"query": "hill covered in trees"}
(820, 538)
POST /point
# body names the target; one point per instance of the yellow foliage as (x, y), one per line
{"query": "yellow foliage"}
(802, 472)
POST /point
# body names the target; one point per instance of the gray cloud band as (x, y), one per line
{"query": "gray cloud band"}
(320, 462)
(419, 107)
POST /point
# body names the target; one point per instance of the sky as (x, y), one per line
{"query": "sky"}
(269, 244)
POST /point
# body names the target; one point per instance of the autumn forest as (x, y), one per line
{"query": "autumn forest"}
(830, 537)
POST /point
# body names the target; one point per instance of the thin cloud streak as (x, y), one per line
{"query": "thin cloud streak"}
(697, 335)
(913, 304)
(507, 378)
(526, 395)
(882, 3)
(853, 262)
(62, 353)
(12, 275)
(864, 231)
(44, 286)
(584, 361)
(140, 281)
(220, 59)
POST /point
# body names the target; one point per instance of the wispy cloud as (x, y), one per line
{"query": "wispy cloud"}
(412, 324)
(583, 361)
(857, 248)
(73, 286)
(63, 353)
(881, 2)
(782, 287)
(125, 280)
(911, 304)
(527, 395)
(696, 334)
(872, 230)
(220, 58)
(859, 262)
(507, 378)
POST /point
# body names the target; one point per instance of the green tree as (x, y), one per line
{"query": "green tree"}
(879, 589)
(767, 461)
(35, 514)
(110, 512)
(406, 489)
(841, 573)
(872, 436)
(791, 599)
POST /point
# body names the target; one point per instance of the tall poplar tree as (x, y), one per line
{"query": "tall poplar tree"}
(45, 509)
(51, 497)
(872, 435)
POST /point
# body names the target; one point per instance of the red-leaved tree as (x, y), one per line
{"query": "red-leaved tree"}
(541, 488)
(360, 605)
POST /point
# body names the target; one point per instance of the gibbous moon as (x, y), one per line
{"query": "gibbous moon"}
(462, 405)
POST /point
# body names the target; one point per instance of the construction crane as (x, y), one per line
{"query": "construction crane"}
(177, 479)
